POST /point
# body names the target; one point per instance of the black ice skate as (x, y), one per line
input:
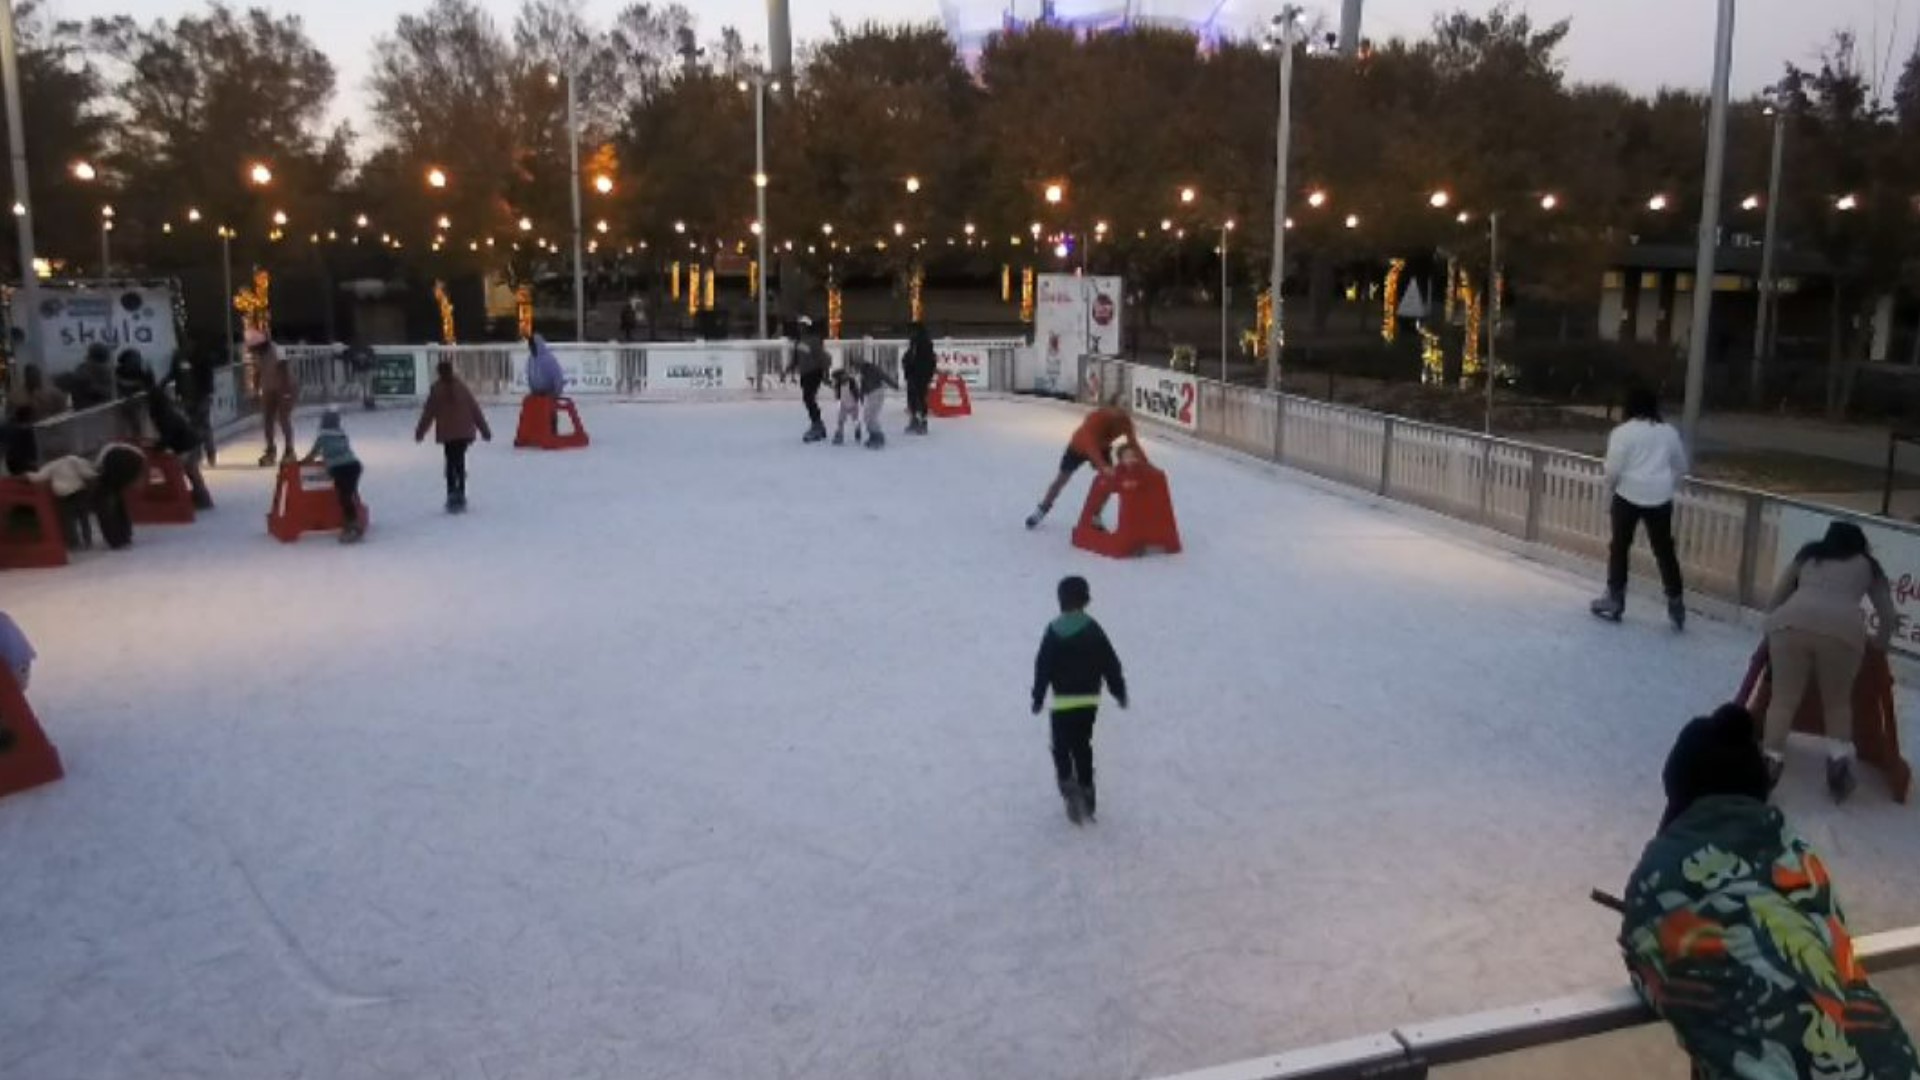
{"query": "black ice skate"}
(1611, 607)
(1677, 613)
(875, 440)
(1071, 793)
(1034, 519)
(352, 534)
(1087, 798)
(816, 433)
(839, 437)
(267, 459)
(457, 503)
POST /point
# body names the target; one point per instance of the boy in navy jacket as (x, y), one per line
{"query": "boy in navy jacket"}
(1075, 660)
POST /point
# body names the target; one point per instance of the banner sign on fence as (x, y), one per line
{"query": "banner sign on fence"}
(1171, 397)
(969, 362)
(1898, 552)
(224, 409)
(68, 320)
(688, 370)
(395, 375)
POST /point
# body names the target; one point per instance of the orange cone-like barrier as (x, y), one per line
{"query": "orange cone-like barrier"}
(161, 496)
(1146, 514)
(27, 759)
(540, 423)
(304, 501)
(31, 536)
(1876, 729)
(949, 397)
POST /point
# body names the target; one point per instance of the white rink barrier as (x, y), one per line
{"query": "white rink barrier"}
(661, 371)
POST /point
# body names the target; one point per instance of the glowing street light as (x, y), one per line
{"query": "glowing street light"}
(969, 230)
(260, 174)
(1099, 228)
(1353, 221)
(680, 228)
(600, 226)
(1657, 204)
(1055, 193)
(436, 178)
(84, 171)
(1166, 225)
(279, 217)
(913, 185)
(1750, 203)
(603, 184)
(1439, 200)
(760, 180)
(899, 229)
(827, 229)
(526, 224)
(1034, 229)
(193, 214)
(1316, 198)
(1060, 250)
(107, 212)
(360, 222)
(1187, 195)
(1846, 203)
(1549, 202)
(444, 222)
(1463, 217)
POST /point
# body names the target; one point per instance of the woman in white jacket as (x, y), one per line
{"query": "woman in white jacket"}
(1645, 464)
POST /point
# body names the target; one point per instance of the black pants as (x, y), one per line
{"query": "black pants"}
(917, 397)
(810, 393)
(120, 469)
(346, 484)
(1073, 747)
(1626, 520)
(456, 451)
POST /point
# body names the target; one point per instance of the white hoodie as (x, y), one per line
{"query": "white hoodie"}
(1645, 462)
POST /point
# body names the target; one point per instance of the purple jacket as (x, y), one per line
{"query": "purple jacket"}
(15, 653)
(544, 374)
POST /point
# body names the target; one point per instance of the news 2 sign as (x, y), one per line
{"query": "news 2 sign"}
(1171, 397)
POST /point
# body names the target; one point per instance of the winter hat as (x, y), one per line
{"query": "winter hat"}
(1714, 755)
(330, 420)
(1074, 593)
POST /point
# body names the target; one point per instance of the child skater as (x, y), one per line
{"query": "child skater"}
(454, 417)
(331, 448)
(847, 390)
(1075, 659)
(873, 381)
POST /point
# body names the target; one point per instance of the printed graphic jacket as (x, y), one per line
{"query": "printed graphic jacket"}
(1075, 658)
(1733, 936)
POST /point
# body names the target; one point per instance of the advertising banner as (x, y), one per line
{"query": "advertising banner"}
(1073, 317)
(117, 316)
(969, 362)
(1171, 397)
(395, 374)
(692, 370)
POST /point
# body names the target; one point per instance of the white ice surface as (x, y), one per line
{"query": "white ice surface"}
(704, 754)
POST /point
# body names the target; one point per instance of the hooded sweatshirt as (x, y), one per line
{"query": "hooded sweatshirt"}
(332, 446)
(1075, 658)
(1733, 936)
(544, 374)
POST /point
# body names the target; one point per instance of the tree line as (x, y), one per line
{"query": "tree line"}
(887, 150)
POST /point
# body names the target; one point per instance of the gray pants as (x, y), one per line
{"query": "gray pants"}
(1797, 656)
(875, 399)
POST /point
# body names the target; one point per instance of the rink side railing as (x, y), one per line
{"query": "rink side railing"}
(402, 374)
(1728, 538)
(1416, 1050)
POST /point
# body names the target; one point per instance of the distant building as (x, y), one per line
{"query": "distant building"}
(971, 22)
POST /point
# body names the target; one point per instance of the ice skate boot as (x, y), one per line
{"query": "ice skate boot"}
(267, 459)
(1840, 778)
(816, 433)
(1039, 515)
(875, 440)
(839, 438)
(1677, 613)
(352, 534)
(1070, 793)
(1611, 607)
(287, 456)
(1087, 799)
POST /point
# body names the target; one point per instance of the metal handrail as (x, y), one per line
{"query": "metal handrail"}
(1411, 1050)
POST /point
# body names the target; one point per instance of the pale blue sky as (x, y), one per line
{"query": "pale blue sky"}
(1643, 44)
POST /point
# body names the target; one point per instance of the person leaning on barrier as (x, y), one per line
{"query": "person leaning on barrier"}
(46, 400)
(191, 378)
(181, 439)
(91, 383)
(1733, 934)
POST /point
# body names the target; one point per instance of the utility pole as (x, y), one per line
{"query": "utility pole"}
(1284, 25)
(22, 199)
(1708, 243)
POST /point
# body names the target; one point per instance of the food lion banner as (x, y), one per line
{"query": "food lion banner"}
(968, 362)
(681, 371)
(1897, 550)
(1074, 316)
(1171, 397)
(67, 320)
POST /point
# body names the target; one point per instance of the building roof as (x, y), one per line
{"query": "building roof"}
(1731, 259)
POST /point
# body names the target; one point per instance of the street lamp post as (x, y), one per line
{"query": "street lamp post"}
(573, 171)
(17, 153)
(226, 298)
(1763, 320)
(1284, 25)
(759, 84)
(106, 242)
(1225, 228)
(1493, 306)
(1708, 243)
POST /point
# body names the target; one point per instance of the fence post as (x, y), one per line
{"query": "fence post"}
(1536, 491)
(1747, 591)
(1386, 456)
(1279, 429)
(1486, 479)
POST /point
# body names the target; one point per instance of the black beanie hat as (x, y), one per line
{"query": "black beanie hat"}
(1714, 755)
(1074, 593)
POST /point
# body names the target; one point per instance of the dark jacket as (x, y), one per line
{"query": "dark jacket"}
(872, 377)
(89, 384)
(1075, 659)
(810, 357)
(452, 414)
(920, 361)
(20, 447)
(175, 433)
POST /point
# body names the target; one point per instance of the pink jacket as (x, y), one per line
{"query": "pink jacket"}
(452, 412)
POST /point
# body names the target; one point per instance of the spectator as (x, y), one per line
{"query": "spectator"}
(91, 383)
(1645, 464)
(1734, 936)
(46, 400)
(1815, 632)
(131, 378)
(629, 321)
(16, 653)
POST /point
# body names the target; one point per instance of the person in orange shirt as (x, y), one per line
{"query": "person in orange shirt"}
(1092, 442)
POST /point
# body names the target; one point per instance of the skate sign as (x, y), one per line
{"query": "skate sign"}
(1171, 397)
(966, 362)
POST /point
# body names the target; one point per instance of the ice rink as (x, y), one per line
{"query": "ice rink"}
(704, 754)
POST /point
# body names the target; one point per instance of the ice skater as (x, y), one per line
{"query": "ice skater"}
(846, 390)
(918, 366)
(1075, 659)
(279, 393)
(16, 653)
(1092, 442)
(332, 449)
(872, 381)
(1645, 464)
(811, 361)
(455, 418)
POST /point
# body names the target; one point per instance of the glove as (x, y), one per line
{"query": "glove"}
(1037, 704)
(1122, 701)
